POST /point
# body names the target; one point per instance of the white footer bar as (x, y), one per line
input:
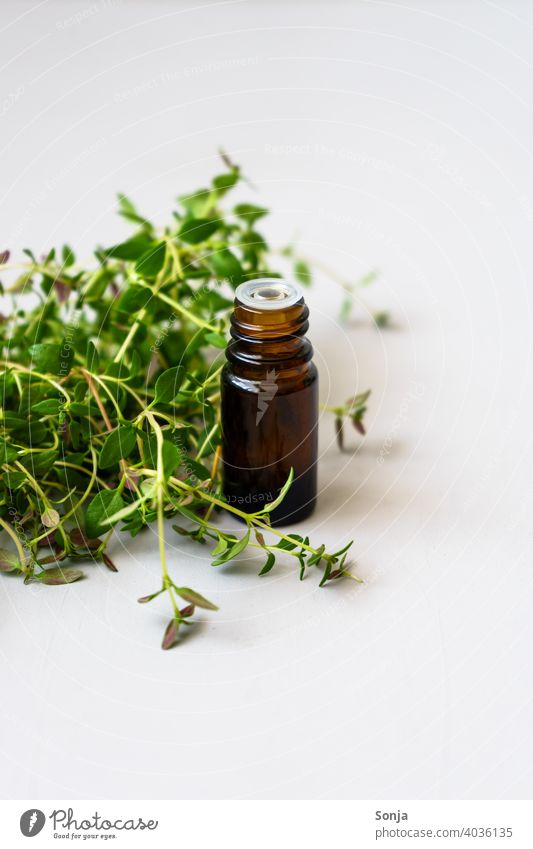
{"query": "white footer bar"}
(267, 824)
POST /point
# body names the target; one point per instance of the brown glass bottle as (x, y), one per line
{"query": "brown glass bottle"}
(270, 402)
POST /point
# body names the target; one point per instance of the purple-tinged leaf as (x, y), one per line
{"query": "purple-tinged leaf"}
(9, 561)
(339, 432)
(109, 563)
(58, 575)
(80, 540)
(62, 291)
(49, 539)
(170, 637)
(132, 481)
(146, 598)
(359, 426)
(195, 598)
(52, 558)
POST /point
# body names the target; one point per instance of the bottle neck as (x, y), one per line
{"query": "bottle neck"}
(270, 338)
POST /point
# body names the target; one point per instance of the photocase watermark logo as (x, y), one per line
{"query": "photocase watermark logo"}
(267, 389)
(32, 822)
(65, 824)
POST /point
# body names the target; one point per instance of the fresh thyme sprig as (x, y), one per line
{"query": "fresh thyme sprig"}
(354, 409)
(110, 398)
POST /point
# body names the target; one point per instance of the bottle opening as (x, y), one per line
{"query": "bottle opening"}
(268, 293)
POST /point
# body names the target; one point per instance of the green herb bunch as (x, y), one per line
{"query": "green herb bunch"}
(110, 399)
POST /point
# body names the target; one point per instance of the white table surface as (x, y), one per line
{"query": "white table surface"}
(389, 135)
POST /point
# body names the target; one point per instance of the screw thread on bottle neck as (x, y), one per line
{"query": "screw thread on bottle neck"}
(268, 326)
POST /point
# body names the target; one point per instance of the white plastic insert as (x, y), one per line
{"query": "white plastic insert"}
(268, 293)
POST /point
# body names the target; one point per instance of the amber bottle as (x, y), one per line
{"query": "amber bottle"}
(270, 402)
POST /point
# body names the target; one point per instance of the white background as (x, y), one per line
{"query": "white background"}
(386, 135)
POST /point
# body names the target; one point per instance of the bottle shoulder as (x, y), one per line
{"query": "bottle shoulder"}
(279, 354)
(254, 379)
